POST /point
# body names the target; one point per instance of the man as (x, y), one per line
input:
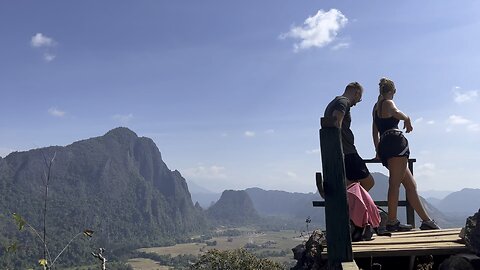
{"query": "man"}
(339, 109)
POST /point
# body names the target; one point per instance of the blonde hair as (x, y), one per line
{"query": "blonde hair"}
(386, 85)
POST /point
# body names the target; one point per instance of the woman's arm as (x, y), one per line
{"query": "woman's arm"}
(375, 135)
(395, 112)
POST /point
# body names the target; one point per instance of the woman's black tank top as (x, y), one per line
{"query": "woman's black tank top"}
(384, 124)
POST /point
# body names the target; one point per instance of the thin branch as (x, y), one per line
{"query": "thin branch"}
(39, 237)
(64, 248)
(46, 182)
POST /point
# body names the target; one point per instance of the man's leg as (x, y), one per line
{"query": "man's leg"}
(367, 183)
(357, 171)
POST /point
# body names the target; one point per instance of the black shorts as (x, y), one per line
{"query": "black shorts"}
(355, 168)
(392, 144)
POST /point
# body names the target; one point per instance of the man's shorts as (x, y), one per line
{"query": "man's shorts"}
(355, 167)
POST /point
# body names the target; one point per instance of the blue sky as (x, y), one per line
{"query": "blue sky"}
(232, 91)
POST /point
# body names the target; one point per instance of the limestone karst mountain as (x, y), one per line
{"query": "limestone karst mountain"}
(233, 208)
(116, 185)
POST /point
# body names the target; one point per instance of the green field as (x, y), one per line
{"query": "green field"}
(267, 242)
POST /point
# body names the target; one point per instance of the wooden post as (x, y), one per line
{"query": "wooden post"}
(339, 245)
(410, 212)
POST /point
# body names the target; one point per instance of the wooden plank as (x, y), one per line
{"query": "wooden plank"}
(378, 203)
(414, 237)
(349, 266)
(417, 233)
(409, 241)
(336, 208)
(411, 251)
(412, 243)
(319, 182)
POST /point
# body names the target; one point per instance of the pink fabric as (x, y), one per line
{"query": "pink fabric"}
(362, 208)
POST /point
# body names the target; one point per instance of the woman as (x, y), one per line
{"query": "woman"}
(392, 148)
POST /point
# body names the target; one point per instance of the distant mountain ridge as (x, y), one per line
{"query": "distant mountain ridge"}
(116, 184)
(466, 200)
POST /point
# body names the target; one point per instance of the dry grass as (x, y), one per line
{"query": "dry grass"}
(284, 240)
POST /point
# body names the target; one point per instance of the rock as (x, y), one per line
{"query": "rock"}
(472, 233)
(309, 255)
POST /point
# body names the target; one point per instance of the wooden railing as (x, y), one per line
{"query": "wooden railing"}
(410, 214)
(333, 188)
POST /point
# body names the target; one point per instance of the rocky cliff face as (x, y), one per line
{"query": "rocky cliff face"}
(233, 208)
(116, 184)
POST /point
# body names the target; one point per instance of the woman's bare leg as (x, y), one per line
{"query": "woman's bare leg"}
(412, 195)
(396, 167)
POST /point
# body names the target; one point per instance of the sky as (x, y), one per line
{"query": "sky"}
(232, 92)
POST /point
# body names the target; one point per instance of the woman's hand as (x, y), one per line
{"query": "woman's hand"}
(407, 124)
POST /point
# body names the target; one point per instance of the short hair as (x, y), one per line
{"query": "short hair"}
(354, 86)
(386, 85)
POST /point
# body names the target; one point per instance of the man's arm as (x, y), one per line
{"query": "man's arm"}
(338, 115)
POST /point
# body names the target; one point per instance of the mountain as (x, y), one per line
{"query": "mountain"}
(284, 204)
(465, 201)
(203, 196)
(233, 208)
(436, 194)
(380, 191)
(206, 200)
(116, 185)
(298, 206)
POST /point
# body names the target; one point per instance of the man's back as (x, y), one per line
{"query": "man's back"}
(342, 104)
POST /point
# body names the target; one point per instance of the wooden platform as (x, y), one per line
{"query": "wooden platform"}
(413, 243)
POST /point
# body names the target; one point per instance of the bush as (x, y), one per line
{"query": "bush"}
(234, 259)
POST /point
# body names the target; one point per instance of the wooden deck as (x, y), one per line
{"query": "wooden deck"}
(412, 243)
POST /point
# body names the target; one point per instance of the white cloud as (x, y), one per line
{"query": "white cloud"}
(249, 133)
(56, 112)
(418, 120)
(425, 169)
(269, 131)
(44, 43)
(124, 119)
(291, 174)
(224, 134)
(474, 127)
(318, 30)
(466, 96)
(431, 122)
(211, 172)
(40, 40)
(342, 45)
(49, 57)
(313, 151)
(458, 120)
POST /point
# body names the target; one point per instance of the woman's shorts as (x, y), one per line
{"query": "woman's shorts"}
(355, 167)
(392, 144)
